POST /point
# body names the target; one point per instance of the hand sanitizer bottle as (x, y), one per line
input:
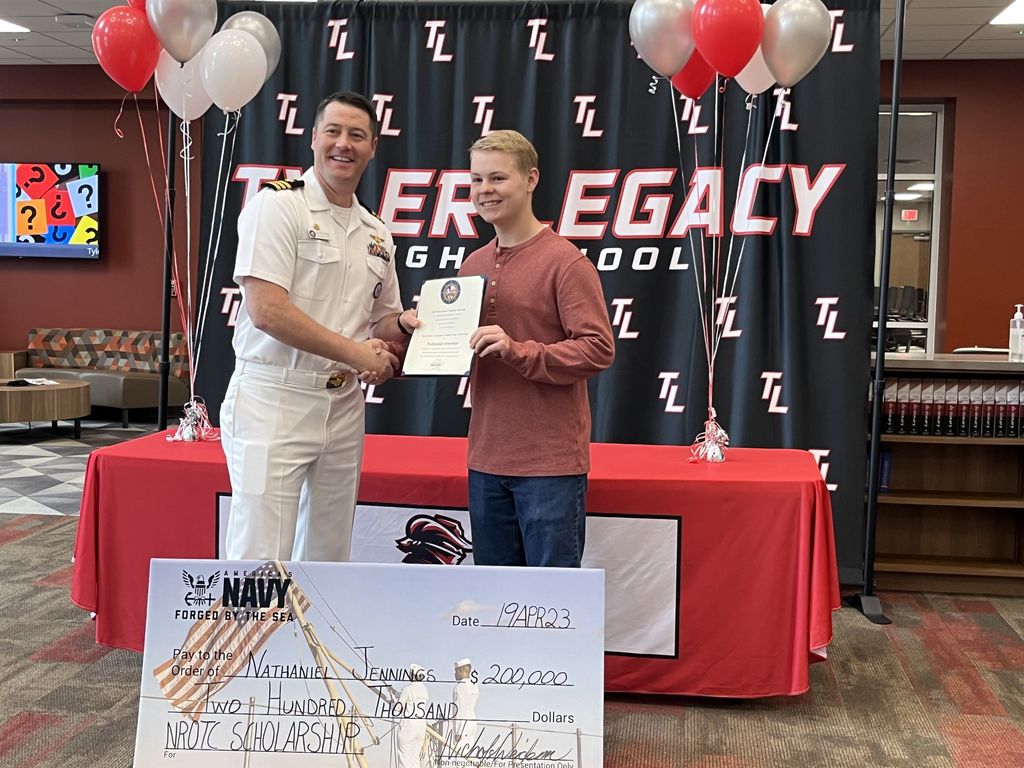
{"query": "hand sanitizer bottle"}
(1017, 336)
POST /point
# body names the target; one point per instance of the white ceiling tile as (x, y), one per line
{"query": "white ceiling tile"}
(992, 46)
(985, 56)
(933, 33)
(72, 37)
(919, 4)
(952, 16)
(9, 56)
(28, 8)
(25, 38)
(998, 32)
(937, 48)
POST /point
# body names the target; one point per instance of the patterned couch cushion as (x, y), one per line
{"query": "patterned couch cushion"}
(104, 349)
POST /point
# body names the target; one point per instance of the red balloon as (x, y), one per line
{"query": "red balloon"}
(126, 47)
(727, 32)
(695, 77)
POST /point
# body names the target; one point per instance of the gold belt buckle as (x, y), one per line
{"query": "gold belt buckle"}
(336, 379)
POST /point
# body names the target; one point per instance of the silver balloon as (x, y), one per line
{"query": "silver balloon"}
(263, 29)
(182, 26)
(796, 36)
(660, 31)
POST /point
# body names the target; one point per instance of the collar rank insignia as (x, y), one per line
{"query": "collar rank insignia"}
(376, 248)
(280, 184)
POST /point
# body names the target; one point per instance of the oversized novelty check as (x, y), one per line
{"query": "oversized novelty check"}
(449, 313)
(373, 665)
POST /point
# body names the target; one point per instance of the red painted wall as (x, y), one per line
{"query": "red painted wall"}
(985, 257)
(67, 114)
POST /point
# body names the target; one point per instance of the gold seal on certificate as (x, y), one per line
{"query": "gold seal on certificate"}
(449, 312)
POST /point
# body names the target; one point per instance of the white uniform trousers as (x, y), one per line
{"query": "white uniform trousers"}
(294, 454)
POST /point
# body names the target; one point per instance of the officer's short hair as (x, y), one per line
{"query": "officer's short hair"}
(512, 142)
(353, 99)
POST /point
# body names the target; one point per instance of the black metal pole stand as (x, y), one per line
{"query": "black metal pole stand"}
(165, 324)
(867, 602)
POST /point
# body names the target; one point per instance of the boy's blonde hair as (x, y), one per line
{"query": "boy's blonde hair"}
(512, 142)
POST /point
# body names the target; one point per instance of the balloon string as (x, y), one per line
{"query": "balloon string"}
(187, 174)
(693, 249)
(720, 327)
(212, 260)
(161, 214)
(117, 130)
(216, 197)
(743, 244)
(149, 165)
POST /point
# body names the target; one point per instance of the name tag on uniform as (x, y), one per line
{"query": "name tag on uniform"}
(315, 234)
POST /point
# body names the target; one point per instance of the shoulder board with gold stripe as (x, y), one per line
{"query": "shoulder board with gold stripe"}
(280, 184)
(376, 216)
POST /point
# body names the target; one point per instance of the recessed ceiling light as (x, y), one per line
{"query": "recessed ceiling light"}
(1012, 14)
(6, 26)
(904, 197)
(923, 186)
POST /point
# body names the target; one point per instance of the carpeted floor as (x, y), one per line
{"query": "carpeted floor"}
(942, 686)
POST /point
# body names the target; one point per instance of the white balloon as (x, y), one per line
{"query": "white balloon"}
(263, 29)
(660, 31)
(234, 68)
(181, 86)
(756, 77)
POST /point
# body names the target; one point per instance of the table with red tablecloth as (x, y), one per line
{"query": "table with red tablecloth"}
(757, 583)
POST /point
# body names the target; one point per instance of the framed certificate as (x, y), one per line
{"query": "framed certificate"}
(449, 313)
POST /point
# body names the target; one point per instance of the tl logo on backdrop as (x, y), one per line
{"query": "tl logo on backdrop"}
(585, 116)
(773, 391)
(827, 316)
(726, 316)
(384, 112)
(537, 39)
(820, 454)
(484, 113)
(339, 37)
(669, 391)
(621, 316)
(435, 39)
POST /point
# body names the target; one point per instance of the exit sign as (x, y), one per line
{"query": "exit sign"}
(908, 214)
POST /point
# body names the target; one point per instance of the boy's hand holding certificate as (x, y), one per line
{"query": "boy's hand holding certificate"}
(449, 313)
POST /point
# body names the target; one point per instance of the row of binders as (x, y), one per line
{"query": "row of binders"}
(953, 407)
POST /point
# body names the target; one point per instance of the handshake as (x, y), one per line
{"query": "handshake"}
(376, 363)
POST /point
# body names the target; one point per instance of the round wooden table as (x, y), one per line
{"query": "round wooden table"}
(63, 401)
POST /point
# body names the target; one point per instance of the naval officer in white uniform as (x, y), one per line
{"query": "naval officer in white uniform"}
(320, 299)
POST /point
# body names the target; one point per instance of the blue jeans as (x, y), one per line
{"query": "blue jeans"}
(538, 521)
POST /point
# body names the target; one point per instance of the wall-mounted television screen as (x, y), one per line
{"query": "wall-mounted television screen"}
(51, 210)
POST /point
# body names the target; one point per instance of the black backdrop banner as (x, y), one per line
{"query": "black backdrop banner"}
(792, 369)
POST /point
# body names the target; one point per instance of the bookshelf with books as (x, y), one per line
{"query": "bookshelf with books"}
(951, 481)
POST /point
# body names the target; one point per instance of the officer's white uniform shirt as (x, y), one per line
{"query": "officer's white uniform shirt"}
(340, 273)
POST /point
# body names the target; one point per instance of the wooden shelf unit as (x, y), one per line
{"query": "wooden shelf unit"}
(953, 518)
